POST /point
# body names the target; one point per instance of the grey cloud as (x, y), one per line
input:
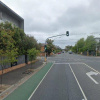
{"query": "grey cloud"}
(79, 17)
(52, 18)
(73, 18)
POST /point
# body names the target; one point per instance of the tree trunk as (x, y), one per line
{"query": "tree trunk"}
(26, 59)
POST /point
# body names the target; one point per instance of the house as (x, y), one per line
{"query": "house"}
(6, 14)
(42, 49)
(97, 39)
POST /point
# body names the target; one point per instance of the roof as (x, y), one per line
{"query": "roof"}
(10, 12)
(97, 37)
(42, 44)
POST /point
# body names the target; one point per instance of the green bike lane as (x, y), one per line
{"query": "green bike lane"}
(24, 91)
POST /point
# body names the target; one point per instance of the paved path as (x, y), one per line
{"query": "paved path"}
(24, 91)
(14, 76)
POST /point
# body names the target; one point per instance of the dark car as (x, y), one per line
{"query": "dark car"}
(70, 52)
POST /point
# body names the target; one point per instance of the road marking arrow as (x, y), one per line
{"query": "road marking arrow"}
(92, 73)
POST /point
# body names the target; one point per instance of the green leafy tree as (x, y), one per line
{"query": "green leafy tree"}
(8, 51)
(38, 46)
(33, 53)
(68, 48)
(80, 45)
(90, 44)
(50, 46)
(85, 45)
(12, 34)
(74, 48)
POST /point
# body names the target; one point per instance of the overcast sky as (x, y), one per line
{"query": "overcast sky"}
(45, 18)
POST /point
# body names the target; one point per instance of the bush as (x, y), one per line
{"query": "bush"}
(32, 54)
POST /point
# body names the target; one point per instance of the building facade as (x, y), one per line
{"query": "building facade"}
(97, 39)
(6, 14)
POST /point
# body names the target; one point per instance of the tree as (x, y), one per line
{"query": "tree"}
(8, 52)
(68, 48)
(50, 46)
(80, 45)
(90, 43)
(32, 54)
(23, 42)
(38, 46)
(74, 48)
(85, 45)
(26, 44)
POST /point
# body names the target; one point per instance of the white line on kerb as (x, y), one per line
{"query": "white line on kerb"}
(85, 98)
(40, 83)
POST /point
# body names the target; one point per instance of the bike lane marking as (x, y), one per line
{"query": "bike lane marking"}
(40, 83)
(24, 91)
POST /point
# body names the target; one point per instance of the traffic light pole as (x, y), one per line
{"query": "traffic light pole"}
(67, 34)
(54, 36)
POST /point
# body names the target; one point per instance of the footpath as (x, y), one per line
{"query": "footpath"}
(14, 76)
(24, 91)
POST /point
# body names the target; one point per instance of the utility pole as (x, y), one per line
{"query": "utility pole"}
(96, 49)
(77, 49)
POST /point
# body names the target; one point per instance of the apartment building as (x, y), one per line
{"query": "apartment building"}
(7, 14)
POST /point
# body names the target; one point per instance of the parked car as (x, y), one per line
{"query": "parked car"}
(59, 52)
(70, 52)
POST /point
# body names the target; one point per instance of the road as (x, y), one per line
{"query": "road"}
(72, 77)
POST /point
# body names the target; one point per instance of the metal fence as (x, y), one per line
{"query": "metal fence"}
(20, 60)
(92, 53)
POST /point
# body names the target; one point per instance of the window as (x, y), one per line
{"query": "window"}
(0, 15)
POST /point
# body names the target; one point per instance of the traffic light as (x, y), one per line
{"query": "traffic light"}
(45, 48)
(67, 33)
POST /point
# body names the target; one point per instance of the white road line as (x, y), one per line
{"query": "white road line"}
(92, 73)
(91, 68)
(68, 63)
(61, 63)
(40, 83)
(85, 98)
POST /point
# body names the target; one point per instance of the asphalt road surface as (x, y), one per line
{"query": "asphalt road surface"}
(72, 77)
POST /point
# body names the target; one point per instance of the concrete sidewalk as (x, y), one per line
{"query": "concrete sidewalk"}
(14, 76)
(24, 91)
